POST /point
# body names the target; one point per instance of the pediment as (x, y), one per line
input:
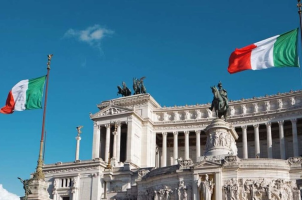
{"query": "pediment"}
(207, 163)
(111, 110)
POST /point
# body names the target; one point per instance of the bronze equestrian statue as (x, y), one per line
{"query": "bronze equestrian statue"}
(220, 101)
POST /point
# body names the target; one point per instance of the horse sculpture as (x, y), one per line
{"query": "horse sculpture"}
(219, 104)
(136, 87)
(125, 91)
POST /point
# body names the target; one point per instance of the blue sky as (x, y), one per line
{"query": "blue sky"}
(182, 47)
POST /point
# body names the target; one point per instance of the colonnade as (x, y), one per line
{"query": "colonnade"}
(269, 139)
(116, 142)
(175, 147)
(244, 142)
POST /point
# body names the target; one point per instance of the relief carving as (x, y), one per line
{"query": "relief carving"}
(231, 189)
(176, 116)
(185, 164)
(187, 115)
(198, 114)
(267, 105)
(277, 189)
(295, 160)
(166, 116)
(280, 104)
(255, 107)
(292, 101)
(243, 107)
(209, 113)
(232, 111)
(142, 173)
(163, 194)
(182, 191)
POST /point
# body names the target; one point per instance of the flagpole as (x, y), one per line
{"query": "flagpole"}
(38, 175)
(299, 5)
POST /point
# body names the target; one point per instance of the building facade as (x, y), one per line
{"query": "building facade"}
(141, 150)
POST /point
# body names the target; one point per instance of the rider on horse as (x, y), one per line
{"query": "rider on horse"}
(223, 94)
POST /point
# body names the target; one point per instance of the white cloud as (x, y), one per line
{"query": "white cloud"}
(92, 35)
(5, 195)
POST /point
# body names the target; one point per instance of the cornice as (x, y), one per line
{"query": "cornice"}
(130, 101)
(78, 166)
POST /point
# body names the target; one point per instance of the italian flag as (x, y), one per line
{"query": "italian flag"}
(25, 95)
(278, 51)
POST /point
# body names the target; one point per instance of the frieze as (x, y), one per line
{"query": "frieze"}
(267, 106)
(253, 189)
(55, 171)
(235, 120)
(137, 100)
(110, 111)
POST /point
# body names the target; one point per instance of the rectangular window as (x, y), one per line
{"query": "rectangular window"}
(65, 198)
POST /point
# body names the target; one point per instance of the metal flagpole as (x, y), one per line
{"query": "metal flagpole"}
(45, 140)
(38, 175)
(299, 5)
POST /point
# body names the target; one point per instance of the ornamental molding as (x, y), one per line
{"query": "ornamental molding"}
(130, 101)
(295, 161)
(235, 120)
(76, 169)
(185, 164)
(110, 111)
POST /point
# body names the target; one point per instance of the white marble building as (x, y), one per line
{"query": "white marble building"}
(157, 152)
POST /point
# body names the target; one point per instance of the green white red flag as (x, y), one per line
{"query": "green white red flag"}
(25, 95)
(277, 51)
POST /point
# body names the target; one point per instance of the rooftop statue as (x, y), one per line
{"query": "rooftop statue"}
(125, 91)
(138, 86)
(25, 187)
(220, 101)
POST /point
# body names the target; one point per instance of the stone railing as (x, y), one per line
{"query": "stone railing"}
(248, 107)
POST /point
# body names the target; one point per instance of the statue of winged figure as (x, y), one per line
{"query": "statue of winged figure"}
(79, 129)
(26, 187)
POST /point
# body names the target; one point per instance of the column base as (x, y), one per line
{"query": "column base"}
(38, 190)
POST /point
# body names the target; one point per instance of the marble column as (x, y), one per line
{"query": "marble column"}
(175, 147)
(269, 140)
(244, 142)
(77, 154)
(187, 133)
(164, 150)
(218, 186)
(114, 144)
(281, 138)
(197, 144)
(96, 141)
(107, 147)
(257, 142)
(118, 144)
(295, 137)
(195, 187)
(157, 157)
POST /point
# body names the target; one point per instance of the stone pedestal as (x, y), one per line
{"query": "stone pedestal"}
(38, 190)
(220, 139)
